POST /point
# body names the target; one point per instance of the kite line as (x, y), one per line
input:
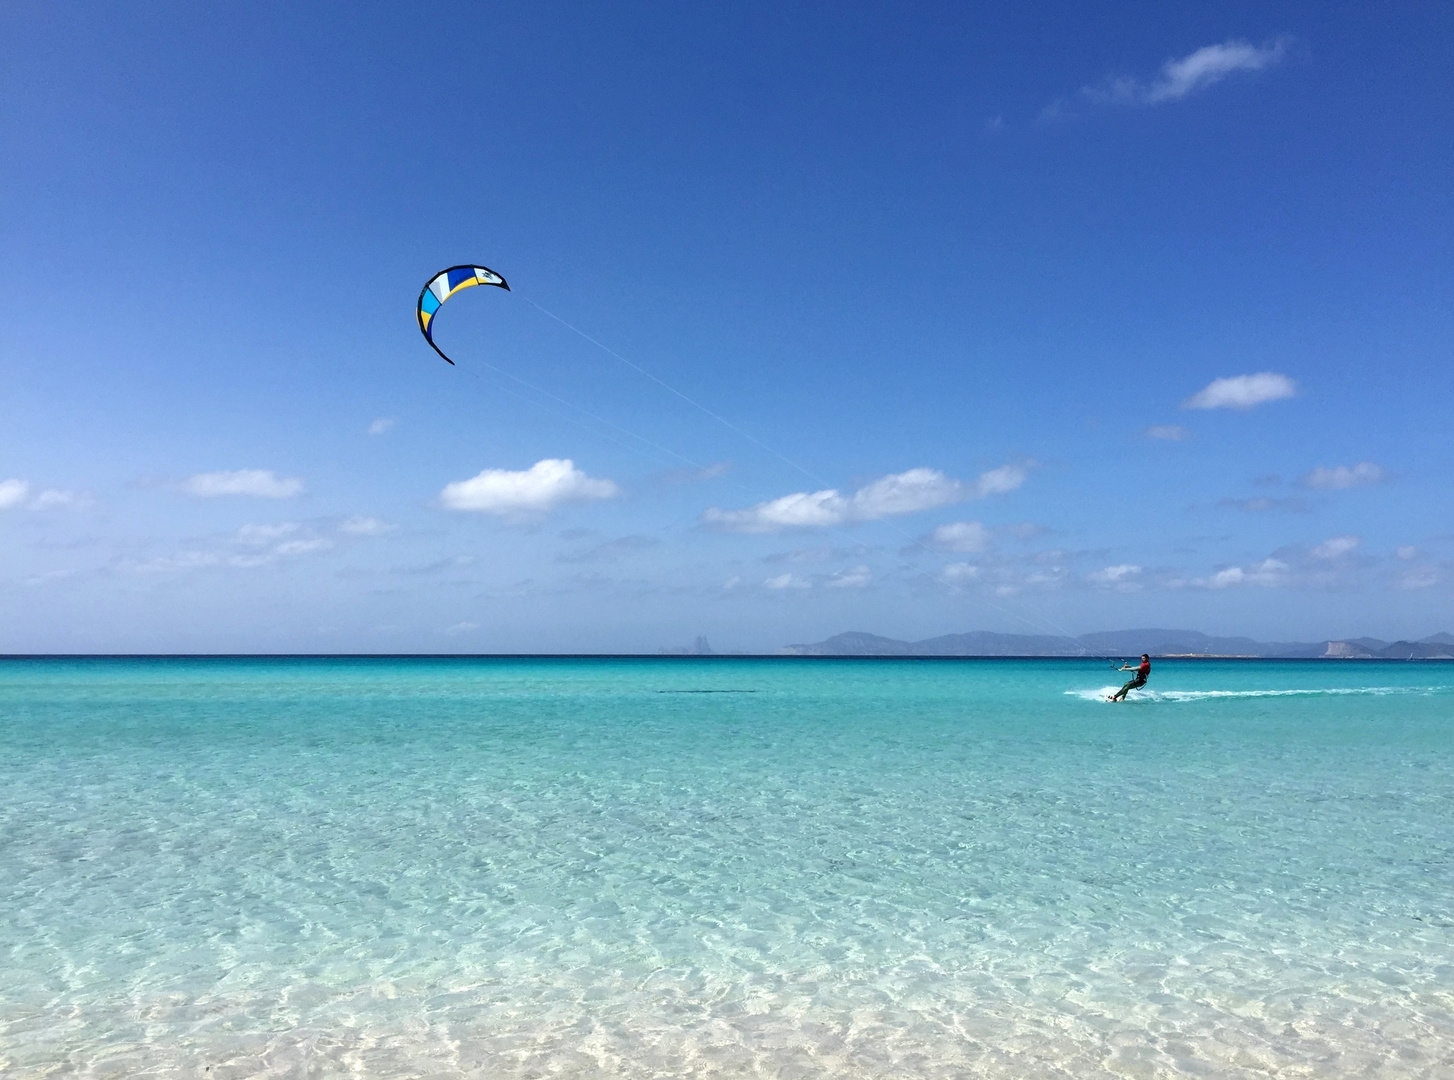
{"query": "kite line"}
(445, 284)
(1057, 631)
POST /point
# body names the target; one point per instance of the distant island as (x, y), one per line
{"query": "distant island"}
(1159, 643)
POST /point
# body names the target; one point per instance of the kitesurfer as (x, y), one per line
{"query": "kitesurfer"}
(1138, 680)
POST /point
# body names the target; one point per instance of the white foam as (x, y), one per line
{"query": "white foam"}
(1209, 695)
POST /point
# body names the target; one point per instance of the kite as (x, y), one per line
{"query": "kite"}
(441, 287)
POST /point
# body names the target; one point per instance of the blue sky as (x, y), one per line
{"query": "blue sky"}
(1028, 318)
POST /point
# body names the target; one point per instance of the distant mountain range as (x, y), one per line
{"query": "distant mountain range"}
(1125, 643)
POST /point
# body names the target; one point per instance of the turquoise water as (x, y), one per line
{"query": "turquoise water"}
(541, 868)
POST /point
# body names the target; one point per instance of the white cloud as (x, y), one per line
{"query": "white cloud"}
(959, 573)
(1407, 552)
(360, 525)
(259, 535)
(1268, 572)
(904, 493)
(13, 493)
(787, 581)
(1210, 65)
(1186, 75)
(529, 493)
(890, 496)
(303, 547)
(382, 425)
(801, 510)
(1341, 477)
(1336, 547)
(1325, 565)
(962, 537)
(1001, 481)
(1242, 391)
(461, 628)
(1419, 578)
(252, 546)
(1167, 432)
(1115, 575)
(1233, 575)
(258, 483)
(182, 560)
(52, 498)
(857, 577)
(269, 546)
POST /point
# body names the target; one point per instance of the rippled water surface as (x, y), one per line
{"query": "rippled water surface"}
(573, 868)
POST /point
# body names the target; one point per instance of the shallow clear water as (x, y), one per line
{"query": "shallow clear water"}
(576, 868)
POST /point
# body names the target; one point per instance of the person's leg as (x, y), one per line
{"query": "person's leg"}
(1135, 684)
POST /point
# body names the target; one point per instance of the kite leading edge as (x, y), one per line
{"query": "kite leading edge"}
(441, 287)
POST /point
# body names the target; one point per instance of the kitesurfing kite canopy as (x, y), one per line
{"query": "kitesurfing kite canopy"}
(442, 286)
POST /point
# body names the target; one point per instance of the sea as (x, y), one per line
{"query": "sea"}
(564, 867)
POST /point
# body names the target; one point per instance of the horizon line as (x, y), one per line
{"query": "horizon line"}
(697, 656)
